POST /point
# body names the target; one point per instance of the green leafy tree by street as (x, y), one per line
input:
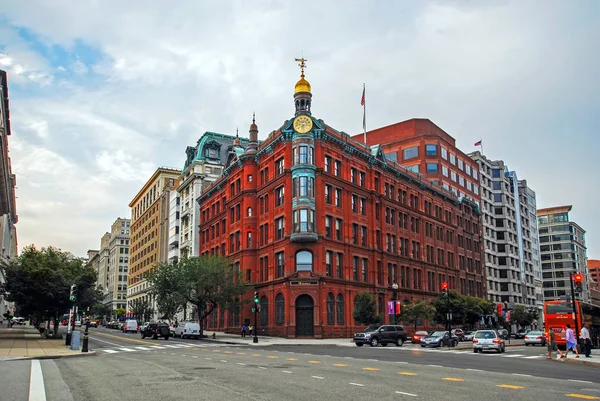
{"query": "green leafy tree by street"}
(141, 309)
(465, 309)
(100, 310)
(39, 282)
(210, 282)
(167, 285)
(522, 316)
(365, 309)
(413, 313)
(120, 312)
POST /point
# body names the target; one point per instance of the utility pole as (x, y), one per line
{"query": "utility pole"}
(255, 339)
(576, 288)
(72, 298)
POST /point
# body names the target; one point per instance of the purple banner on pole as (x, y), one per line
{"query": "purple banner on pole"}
(390, 307)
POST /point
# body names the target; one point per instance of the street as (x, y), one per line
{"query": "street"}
(129, 368)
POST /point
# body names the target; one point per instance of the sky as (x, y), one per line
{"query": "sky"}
(103, 92)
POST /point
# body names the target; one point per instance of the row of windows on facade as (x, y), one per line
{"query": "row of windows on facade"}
(304, 155)
(145, 203)
(149, 260)
(141, 248)
(432, 151)
(147, 224)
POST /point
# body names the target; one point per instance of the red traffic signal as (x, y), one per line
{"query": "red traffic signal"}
(444, 286)
(499, 309)
(578, 278)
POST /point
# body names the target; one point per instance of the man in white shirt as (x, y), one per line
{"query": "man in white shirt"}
(587, 340)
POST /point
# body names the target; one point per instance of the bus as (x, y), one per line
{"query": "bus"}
(557, 314)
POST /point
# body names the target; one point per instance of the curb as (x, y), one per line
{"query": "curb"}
(577, 362)
(79, 355)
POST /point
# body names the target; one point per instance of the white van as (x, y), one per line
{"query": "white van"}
(184, 330)
(131, 326)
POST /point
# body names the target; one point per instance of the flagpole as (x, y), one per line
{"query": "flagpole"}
(365, 115)
(481, 146)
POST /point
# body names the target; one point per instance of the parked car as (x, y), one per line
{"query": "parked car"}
(520, 334)
(184, 330)
(156, 330)
(94, 323)
(535, 337)
(503, 333)
(458, 333)
(381, 334)
(486, 340)
(416, 338)
(439, 339)
(469, 336)
(77, 323)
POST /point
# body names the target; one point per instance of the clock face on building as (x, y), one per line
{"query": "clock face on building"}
(303, 124)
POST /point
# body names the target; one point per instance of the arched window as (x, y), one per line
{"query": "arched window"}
(279, 310)
(304, 261)
(249, 212)
(264, 312)
(330, 309)
(340, 309)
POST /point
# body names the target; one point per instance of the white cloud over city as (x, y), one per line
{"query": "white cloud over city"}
(104, 92)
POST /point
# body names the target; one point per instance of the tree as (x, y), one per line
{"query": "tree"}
(120, 312)
(167, 285)
(39, 282)
(365, 309)
(210, 282)
(465, 309)
(101, 310)
(522, 316)
(416, 312)
(140, 308)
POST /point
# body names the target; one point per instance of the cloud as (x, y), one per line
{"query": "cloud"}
(105, 104)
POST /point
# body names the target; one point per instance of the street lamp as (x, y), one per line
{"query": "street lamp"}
(394, 296)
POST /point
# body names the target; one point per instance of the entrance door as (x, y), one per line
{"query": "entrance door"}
(305, 318)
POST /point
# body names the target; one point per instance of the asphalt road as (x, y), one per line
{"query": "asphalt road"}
(520, 360)
(204, 371)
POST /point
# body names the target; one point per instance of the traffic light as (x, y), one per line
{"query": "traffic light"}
(444, 289)
(577, 282)
(499, 308)
(256, 297)
(73, 296)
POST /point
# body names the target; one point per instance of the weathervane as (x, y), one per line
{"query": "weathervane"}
(302, 64)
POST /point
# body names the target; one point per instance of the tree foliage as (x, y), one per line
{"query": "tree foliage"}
(39, 282)
(465, 310)
(101, 310)
(141, 309)
(365, 309)
(523, 317)
(413, 313)
(167, 285)
(120, 312)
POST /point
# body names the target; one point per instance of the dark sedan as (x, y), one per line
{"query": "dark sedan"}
(439, 339)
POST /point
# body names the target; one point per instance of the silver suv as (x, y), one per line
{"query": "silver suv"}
(485, 340)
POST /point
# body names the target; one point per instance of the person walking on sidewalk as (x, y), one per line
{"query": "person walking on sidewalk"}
(250, 329)
(571, 343)
(244, 330)
(552, 346)
(587, 341)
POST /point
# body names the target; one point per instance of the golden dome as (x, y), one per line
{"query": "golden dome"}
(302, 85)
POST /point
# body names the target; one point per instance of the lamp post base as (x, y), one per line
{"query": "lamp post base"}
(255, 339)
(68, 339)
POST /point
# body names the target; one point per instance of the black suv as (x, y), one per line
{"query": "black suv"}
(156, 330)
(382, 334)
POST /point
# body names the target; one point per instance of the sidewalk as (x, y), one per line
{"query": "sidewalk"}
(237, 339)
(594, 361)
(26, 343)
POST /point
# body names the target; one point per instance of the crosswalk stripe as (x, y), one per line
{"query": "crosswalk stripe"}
(157, 347)
(110, 351)
(127, 349)
(513, 356)
(143, 348)
(533, 357)
(172, 346)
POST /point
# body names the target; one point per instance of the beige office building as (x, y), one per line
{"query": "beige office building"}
(149, 230)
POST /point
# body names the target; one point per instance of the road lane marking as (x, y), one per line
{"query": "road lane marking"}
(286, 371)
(371, 369)
(183, 355)
(340, 365)
(318, 377)
(407, 373)
(216, 350)
(475, 370)
(408, 394)
(262, 367)
(348, 357)
(241, 364)
(122, 338)
(194, 356)
(532, 357)
(580, 381)
(314, 361)
(272, 357)
(143, 348)
(403, 363)
(209, 359)
(585, 397)
(357, 384)
(521, 374)
(37, 391)
(224, 361)
(373, 360)
(436, 366)
(157, 347)
(513, 356)
(110, 351)
(508, 386)
(107, 342)
(255, 354)
(227, 352)
(126, 349)
(241, 353)
(453, 379)
(291, 359)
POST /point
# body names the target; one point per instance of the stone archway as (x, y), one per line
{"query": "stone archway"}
(305, 316)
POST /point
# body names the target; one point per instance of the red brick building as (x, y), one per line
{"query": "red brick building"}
(425, 148)
(314, 217)
(594, 269)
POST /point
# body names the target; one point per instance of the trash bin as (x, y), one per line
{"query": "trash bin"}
(75, 340)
